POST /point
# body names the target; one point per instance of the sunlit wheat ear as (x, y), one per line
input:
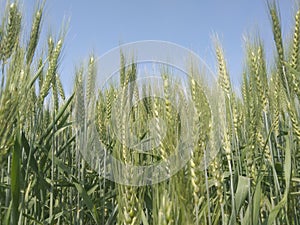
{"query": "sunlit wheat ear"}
(101, 118)
(277, 31)
(201, 131)
(110, 98)
(34, 36)
(79, 97)
(91, 78)
(129, 205)
(217, 174)
(276, 107)
(294, 61)
(245, 88)
(262, 77)
(122, 69)
(227, 145)
(295, 120)
(167, 97)
(195, 178)
(55, 93)
(266, 150)
(51, 72)
(296, 42)
(60, 87)
(12, 31)
(256, 61)
(236, 116)
(50, 47)
(224, 80)
(252, 134)
(165, 216)
(159, 138)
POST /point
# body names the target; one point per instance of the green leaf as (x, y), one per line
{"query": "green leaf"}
(93, 189)
(15, 180)
(240, 196)
(87, 200)
(58, 116)
(256, 204)
(32, 162)
(63, 168)
(112, 217)
(241, 192)
(7, 215)
(144, 219)
(287, 176)
(275, 211)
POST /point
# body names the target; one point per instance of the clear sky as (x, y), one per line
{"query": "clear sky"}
(98, 26)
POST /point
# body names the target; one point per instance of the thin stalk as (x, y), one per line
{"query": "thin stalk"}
(273, 161)
(207, 189)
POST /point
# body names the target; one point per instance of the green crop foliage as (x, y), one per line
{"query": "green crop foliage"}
(254, 178)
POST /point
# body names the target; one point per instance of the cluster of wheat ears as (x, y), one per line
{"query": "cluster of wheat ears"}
(253, 179)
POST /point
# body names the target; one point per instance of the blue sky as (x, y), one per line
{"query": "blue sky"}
(98, 26)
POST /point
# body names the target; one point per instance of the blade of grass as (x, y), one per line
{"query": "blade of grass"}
(15, 180)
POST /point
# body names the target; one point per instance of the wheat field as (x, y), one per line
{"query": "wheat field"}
(253, 179)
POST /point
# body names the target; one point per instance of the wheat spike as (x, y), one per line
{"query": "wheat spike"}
(224, 79)
(51, 72)
(277, 32)
(296, 43)
(294, 119)
(13, 28)
(34, 36)
(91, 78)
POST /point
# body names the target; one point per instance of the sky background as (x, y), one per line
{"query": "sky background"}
(98, 26)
